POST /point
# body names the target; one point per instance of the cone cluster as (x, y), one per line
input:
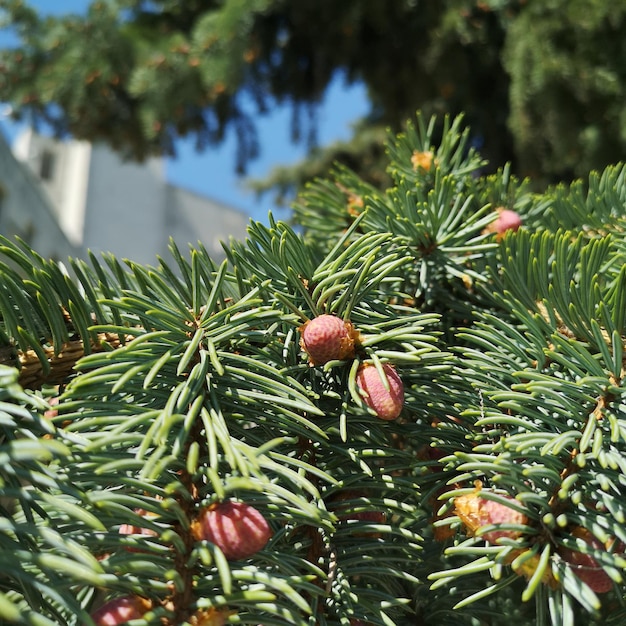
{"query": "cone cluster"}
(327, 338)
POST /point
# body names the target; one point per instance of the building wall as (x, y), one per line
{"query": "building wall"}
(192, 218)
(125, 212)
(26, 210)
(105, 204)
(61, 167)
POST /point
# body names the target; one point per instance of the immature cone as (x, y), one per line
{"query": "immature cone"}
(585, 566)
(131, 529)
(211, 617)
(236, 528)
(326, 338)
(506, 220)
(387, 403)
(339, 504)
(50, 413)
(423, 160)
(476, 512)
(120, 611)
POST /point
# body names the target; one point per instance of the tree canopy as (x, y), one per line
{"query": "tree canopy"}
(542, 83)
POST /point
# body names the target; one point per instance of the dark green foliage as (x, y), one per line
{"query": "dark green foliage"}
(41, 563)
(188, 386)
(542, 83)
(566, 59)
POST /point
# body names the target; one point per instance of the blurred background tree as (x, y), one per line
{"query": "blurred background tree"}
(541, 82)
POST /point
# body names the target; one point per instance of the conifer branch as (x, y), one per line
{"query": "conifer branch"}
(425, 409)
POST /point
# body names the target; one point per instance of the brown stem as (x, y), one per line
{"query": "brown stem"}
(181, 600)
(61, 364)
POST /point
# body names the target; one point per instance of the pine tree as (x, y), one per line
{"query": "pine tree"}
(541, 83)
(410, 413)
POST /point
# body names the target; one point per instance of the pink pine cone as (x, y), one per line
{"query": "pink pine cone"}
(507, 220)
(585, 566)
(326, 338)
(120, 611)
(236, 528)
(339, 504)
(476, 512)
(130, 529)
(387, 403)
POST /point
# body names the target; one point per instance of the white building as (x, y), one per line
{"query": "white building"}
(105, 204)
(26, 211)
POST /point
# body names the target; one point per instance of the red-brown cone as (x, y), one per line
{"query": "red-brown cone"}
(476, 512)
(339, 504)
(326, 338)
(585, 566)
(120, 611)
(50, 413)
(236, 528)
(130, 529)
(506, 220)
(387, 403)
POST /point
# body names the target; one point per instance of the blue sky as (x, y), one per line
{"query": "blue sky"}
(212, 172)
